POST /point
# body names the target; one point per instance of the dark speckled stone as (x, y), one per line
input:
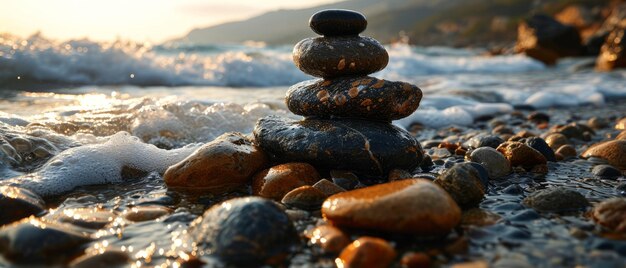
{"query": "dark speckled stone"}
(358, 97)
(246, 231)
(340, 56)
(336, 22)
(364, 147)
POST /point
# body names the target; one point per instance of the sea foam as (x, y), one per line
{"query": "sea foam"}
(99, 164)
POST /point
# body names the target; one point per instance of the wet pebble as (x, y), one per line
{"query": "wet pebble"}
(497, 166)
(329, 238)
(556, 140)
(485, 140)
(566, 151)
(538, 117)
(35, 242)
(463, 182)
(541, 146)
(91, 218)
(597, 122)
(414, 206)
(519, 154)
(415, 260)
(146, 213)
(614, 152)
(611, 214)
(278, 180)
(606, 172)
(245, 231)
(369, 252)
(556, 199)
(17, 203)
(304, 197)
(327, 187)
(226, 163)
(344, 179)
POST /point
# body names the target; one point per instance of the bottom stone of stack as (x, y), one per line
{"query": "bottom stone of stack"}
(365, 147)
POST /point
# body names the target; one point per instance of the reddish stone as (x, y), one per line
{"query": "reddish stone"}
(414, 206)
(614, 152)
(277, 181)
(367, 252)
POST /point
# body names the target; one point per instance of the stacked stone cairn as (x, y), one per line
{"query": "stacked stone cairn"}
(348, 114)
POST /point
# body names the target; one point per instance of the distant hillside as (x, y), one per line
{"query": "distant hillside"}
(425, 22)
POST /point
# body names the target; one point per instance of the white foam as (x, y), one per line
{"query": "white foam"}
(99, 164)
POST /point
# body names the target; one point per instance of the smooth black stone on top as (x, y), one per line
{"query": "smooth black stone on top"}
(355, 97)
(368, 148)
(337, 22)
(331, 57)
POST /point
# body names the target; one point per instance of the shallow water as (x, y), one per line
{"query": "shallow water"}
(54, 137)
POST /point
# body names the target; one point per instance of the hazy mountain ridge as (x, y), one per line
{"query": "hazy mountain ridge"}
(439, 22)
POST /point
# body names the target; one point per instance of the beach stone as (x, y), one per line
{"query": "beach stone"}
(399, 174)
(613, 52)
(337, 22)
(611, 214)
(278, 180)
(108, 258)
(496, 164)
(557, 199)
(357, 97)
(32, 241)
(327, 187)
(368, 252)
(574, 131)
(485, 140)
(304, 197)
(245, 231)
(146, 213)
(538, 117)
(614, 152)
(224, 164)
(414, 206)
(329, 238)
(566, 151)
(621, 124)
(330, 57)
(621, 135)
(545, 39)
(519, 154)
(462, 181)
(556, 140)
(91, 218)
(598, 122)
(17, 203)
(606, 172)
(541, 146)
(361, 146)
(479, 217)
(415, 260)
(344, 179)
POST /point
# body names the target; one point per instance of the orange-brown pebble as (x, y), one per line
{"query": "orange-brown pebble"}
(368, 252)
(146, 213)
(415, 260)
(304, 197)
(567, 151)
(328, 188)
(621, 124)
(329, 238)
(621, 135)
(520, 154)
(227, 162)
(479, 217)
(614, 152)
(413, 206)
(556, 140)
(278, 180)
(611, 214)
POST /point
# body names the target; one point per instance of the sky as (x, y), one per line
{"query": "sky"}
(138, 20)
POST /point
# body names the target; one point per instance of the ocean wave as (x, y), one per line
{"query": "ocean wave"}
(39, 60)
